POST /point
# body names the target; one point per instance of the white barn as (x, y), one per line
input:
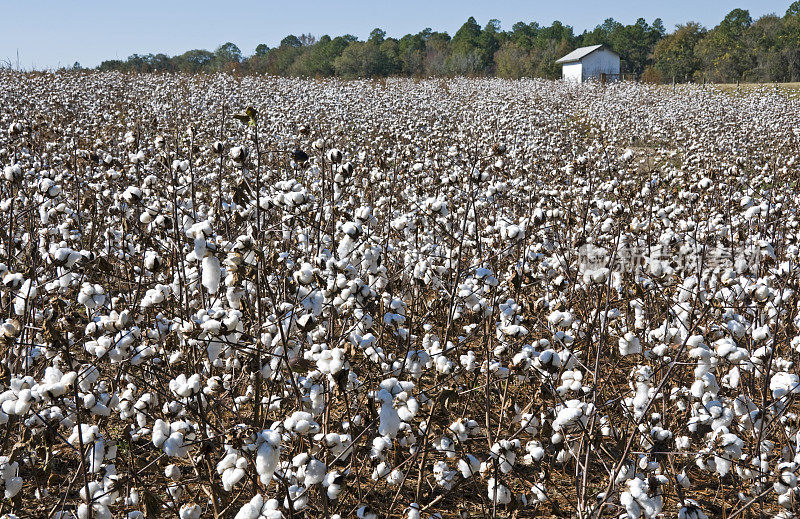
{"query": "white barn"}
(594, 62)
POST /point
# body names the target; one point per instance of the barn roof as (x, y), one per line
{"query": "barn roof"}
(579, 54)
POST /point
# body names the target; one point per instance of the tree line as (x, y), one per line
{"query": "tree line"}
(739, 48)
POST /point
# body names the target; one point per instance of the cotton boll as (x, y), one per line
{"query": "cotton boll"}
(629, 344)
(331, 361)
(366, 512)
(160, 432)
(498, 493)
(190, 511)
(211, 273)
(173, 472)
(535, 452)
(783, 383)
(389, 424)
(259, 508)
(10, 480)
(301, 422)
(267, 455)
(333, 483)
(691, 511)
(413, 511)
(469, 466)
(173, 446)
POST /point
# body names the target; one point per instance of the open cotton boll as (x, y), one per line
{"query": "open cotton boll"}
(366, 512)
(160, 432)
(783, 383)
(629, 344)
(10, 481)
(469, 466)
(174, 446)
(389, 424)
(190, 511)
(331, 361)
(505, 452)
(301, 422)
(267, 454)
(26, 292)
(333, 484)
(761, 333)
(691, 510)
(231, 468)
(258, 508)
(498, 493)
(211, 273)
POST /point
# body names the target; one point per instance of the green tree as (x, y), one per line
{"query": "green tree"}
(724, 50)
(194, 60)
(523, 34)
(411, 53)
(437, 52)
(489, 42)
(467, 57)
(377, 36)
(769, 63)
(675, 55)
(360, 60)
(291, 41)
(512, 61)
(228, 53)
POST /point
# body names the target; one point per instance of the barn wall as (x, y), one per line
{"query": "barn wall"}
(601, 61)
(572, 71)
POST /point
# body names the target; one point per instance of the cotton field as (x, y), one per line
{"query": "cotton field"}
(263, 298)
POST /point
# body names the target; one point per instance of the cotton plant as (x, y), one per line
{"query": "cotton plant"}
(328, 286)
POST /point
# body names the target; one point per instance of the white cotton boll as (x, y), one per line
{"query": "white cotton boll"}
(301, 422)
(761, 333)
(395, 477)
(173, 472)
(331, 361)
(211, 273)
(380, 470)
(190, 511)
(96, 456)
(783, 383)
(227, 462)
(469, 466)
(379, 445)
(413, 511)
(389, 420)
(736, 328)
(503, 451)
(498, 492)
(366, 512)
(535, 451)
(333, 484)
(314, 473)
(267, 455)
(11, 481)
(251, 510)
(175, 491)
(26, 293)
(160, 432)
(232, 476)
(629, 344)
(691, 511)
(632, 508)
(173, 446)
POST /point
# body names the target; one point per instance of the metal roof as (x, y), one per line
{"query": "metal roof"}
(579, 54)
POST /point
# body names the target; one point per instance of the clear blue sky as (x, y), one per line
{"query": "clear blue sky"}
(48, 34)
